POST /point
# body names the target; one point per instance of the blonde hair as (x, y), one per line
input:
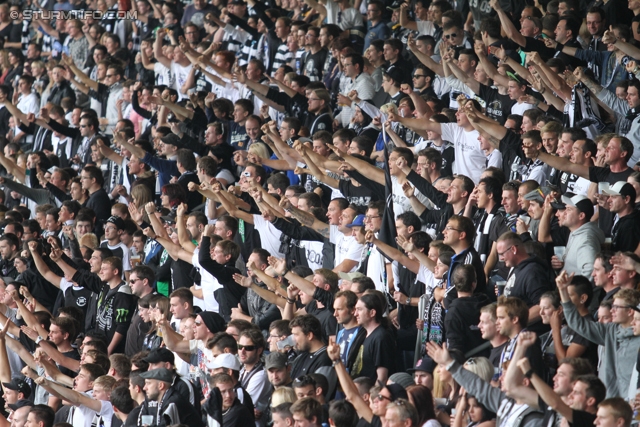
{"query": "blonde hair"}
(481, 366)
(260, 149)
(106, 382)
(439, 386)
(89, 240)
(389, 108)
(283, 395)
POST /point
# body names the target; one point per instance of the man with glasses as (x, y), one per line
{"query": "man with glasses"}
(422, 79)
(529, 276)
(377, 29)
(109, 92)
(619, 339)
(141, 281)
(253, 375)
(359, 81)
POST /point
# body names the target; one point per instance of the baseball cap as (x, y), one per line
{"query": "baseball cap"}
(20, 404)
(117, 221)
(160, 355)
(18, 385)
(160, 374)
(226, 361)
(395, 73)
(395, 5)
(582, 203)
(358, 221)
(276, 360)
(426, 364)
(171, 139)
(622, 188)
(397, 391)
(539, 194)
(350, 276)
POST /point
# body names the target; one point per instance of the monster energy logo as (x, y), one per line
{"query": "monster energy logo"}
(121, 315)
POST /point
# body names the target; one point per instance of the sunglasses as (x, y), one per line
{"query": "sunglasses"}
(246, 347)
(450, 36)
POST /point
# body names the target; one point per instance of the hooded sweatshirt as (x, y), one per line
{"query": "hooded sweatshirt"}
(461, 322)
(620, 349)
(583, 246)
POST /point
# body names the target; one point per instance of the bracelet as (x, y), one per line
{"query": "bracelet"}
(529, 373)
(336, 362)
(284, 273)
(291, 301)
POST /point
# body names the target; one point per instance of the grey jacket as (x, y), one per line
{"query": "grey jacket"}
(621, 108)
(494, 399)
(620, 349)
(583, 246)
(39, 195)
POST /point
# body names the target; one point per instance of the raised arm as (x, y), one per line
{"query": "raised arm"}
(86, 80)
(173, 340)
(513, 376)
(157, 48)
(547, 394)
(307, 219)
(393, 253)
(369, 171)
(508, 27)
(42, 266)
(349, 388)
(425, 59)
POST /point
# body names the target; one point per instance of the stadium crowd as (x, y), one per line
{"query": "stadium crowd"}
(307, 213)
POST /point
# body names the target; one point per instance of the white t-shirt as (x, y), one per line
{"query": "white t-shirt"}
(126, 254)
(519, 108)
(180, 73)
(269, 236)
(470, 159)
(83, 416)
(208, 283)
(376, 269)
(163, 75)
(581, 186)
(314, 253)
(29, 103)
(494, 159)
(346, 247)
(401, 203)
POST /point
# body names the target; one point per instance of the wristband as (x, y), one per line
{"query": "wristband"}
(38, 340)
(336, 362)
(529, 373)
(291, 301)
(559, 47)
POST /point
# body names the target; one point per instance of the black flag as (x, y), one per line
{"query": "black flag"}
(388, 233)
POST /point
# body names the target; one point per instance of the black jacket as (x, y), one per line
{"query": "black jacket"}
(61, 91)
(187, 414)
(461, 323)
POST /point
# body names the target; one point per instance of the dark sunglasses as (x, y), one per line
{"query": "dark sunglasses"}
(450, 36)
(246, 347)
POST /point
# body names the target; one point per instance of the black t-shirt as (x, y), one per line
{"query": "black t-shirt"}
(568, 182)
(77, 297)
(378, 351)
(359, 196)
(314, 64)
(582, 418)
(498, 106)
(598, 174)
(73, 354)
(625, 234)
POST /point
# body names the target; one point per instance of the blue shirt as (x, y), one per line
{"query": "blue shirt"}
(380, 31)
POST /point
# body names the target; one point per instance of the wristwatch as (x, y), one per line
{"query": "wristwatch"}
(408, 301)
(38, 340)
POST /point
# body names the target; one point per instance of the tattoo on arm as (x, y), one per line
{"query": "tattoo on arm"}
(593, 86)
(305, 218)
(324, 231)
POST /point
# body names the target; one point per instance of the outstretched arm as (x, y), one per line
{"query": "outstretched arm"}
(369, 171)
(513, 376)
(307, 219)
(508, 27)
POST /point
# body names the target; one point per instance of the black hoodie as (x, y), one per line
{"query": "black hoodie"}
(461, 323)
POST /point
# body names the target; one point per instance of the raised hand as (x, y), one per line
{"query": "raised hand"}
(524, 365)
(623, 261)
(564, 280)
(526, 339)
(405, 244)
(150, 207)
(408, 190)
(579, 73)
(279, 265)
(439, 354)
(243, 281)
(333, 350)
(285, 204)
(32, 334)
(609, 37)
